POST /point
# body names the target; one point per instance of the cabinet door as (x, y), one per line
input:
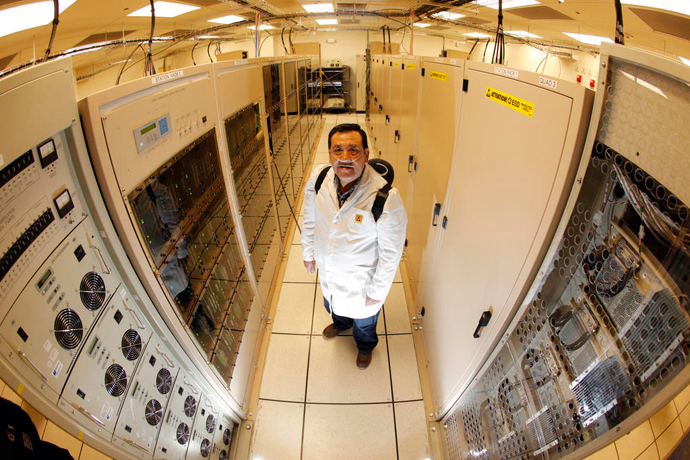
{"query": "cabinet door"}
(508, 182)
(438, 117)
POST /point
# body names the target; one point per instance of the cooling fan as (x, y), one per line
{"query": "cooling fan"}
(205, 448)
(182, 434)
(210, 424)
(153, 412)
(92, 291)
(227, 436)
(68, 329)
(190, 406)
(115, 380)
(131, 345)
(164, 381)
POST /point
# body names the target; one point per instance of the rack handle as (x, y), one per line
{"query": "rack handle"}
(483, 322)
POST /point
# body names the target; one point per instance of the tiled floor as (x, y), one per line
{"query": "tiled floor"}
(314, 402)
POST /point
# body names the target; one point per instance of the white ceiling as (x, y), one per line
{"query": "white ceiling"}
(663, 32)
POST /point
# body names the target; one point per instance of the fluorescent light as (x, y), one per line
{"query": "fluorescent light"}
(421, 24)
(262, 27)
(476, 35)
(507, 3)
(227, 19)
(319, 7)
(327, 22)
(24, 17)
(448, 16)
(589, 39)
(684, 60)
(521, 33)
(164, 10)
(674, 6)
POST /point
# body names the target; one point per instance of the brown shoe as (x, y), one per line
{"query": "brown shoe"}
(330, 331)
(363, 361)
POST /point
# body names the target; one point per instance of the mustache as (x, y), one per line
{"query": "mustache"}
(344, 163)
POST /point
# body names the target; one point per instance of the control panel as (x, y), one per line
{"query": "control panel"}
(39, 207)
(104, 372)
(48, 324)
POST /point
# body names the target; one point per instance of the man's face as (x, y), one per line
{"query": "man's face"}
(348, 156)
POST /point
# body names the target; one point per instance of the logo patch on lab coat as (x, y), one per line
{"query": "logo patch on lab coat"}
(358, 218)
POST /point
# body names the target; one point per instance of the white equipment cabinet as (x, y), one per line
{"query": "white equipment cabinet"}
(520, 139)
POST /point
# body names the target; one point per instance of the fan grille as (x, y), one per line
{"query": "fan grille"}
(182, 434)
(131, 344)
(227, 436)
(68, 329)
(210, 424)
(92, 291)
(205, 447)
(164, 381)
(115, 380)
(190, 406)
(223, 455)
(154, 412)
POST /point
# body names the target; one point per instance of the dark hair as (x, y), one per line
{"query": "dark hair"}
(348, 128)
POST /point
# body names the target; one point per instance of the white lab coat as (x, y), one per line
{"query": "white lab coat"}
(356, 256)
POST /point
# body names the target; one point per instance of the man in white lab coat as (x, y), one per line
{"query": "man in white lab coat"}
(357, 256)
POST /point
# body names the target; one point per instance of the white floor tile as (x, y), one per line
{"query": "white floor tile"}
(349, 432)
(295, 271)
(285, 371)
(323, 319)
(295, 309)
(397, 317)
(278, 431)
(404, 370)
(335, 378)
(413, 438)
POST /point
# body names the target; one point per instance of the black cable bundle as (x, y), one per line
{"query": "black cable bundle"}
(149, 68)
(499, 55)
(620, 32)
(56, 16)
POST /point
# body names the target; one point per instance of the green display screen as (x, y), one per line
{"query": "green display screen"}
(148, 128)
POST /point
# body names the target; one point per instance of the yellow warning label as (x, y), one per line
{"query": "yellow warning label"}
(410, 66)
(358, 218)
(515, 103)
(20, 389)
(396, 64)
(438, 75)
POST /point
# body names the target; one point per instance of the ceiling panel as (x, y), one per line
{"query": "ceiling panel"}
(539, 13)
(665, 23)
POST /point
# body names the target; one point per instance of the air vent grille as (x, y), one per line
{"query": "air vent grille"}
(68, 329)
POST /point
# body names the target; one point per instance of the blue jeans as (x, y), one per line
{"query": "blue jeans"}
(363, 329)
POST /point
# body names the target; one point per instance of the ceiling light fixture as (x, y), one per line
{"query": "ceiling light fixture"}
(448, 16)
(476, 35)
(673, 6)
(421, 24)
(327, 22)
(507, 4)
(319, 7)
(684, 60)
(589, 39)
(25, 17)
(521, 33)
(262, 27)
(164, 10)
(227, 19)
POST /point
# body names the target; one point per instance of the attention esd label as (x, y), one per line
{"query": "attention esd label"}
(519, 105)
(438, 75)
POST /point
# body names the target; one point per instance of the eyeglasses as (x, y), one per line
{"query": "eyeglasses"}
(354, 152)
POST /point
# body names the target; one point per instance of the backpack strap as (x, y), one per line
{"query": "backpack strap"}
(319, 180)
(380, 201)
